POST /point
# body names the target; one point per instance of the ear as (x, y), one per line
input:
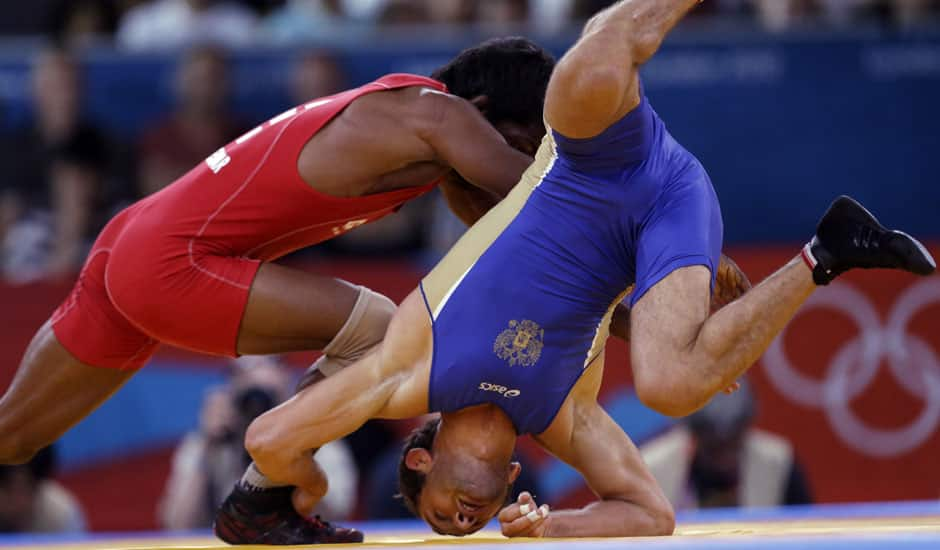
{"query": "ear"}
(419, 460)
(481, 102)
(514, 470)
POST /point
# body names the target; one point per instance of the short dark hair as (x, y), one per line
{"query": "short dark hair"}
(512, 73)
(410, 482)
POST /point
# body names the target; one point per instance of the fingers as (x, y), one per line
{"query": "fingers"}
(514, 510)
(524, 518)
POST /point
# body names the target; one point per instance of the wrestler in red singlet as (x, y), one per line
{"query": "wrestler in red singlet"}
(191, 265)
(177, 266)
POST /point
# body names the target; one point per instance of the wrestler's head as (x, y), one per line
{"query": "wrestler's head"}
(506, 79)
(453, 491)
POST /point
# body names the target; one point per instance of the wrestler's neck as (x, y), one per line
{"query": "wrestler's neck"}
(483, 431)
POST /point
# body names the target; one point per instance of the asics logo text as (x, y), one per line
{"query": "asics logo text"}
(502, 390)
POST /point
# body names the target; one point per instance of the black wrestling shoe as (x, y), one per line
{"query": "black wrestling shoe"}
(268, 517)
(849, 236)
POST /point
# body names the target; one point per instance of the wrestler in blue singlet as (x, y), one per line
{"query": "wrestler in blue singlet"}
(520, 306)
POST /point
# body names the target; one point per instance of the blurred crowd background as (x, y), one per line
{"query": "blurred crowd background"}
(137, 25)
(788, 102)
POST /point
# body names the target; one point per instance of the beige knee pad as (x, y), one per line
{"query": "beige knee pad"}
(364, 329)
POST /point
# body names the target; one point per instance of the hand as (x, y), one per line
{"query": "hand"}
(524, 518)
(732, 388)
(730, 283)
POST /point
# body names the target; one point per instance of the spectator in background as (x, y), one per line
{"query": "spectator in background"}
(502, 13)
(210, 460)
(200, 124)
(450, 12)
(716, 458)
(316, 74)
(53, 198)
(170, 24)
(32, 502)
(779, 15)
(83, 23)
(405, 12)
(301, 20)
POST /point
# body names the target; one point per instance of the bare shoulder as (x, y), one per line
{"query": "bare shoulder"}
(432, 110)
(419, 106)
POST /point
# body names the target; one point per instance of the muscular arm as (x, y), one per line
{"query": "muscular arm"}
(280, 441)
(631, 503)
(467, 202)
(389, 382)
(462, 139)
(595, 84)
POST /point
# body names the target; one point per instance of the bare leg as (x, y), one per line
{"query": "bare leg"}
(292, 310)
(681, 357)
(52, 391)
(288, 310)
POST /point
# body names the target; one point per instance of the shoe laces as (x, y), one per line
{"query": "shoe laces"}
(319, 523)
(866, 238)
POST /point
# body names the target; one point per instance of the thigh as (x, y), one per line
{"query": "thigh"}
(678, 252)
(292, 310)
(92, 329)
(667, 319)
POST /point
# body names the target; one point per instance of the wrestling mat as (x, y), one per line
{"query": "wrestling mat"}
(891, 526)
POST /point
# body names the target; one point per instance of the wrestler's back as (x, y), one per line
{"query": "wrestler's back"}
(307, 175)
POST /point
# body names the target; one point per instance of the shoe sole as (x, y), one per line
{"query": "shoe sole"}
(921, 262)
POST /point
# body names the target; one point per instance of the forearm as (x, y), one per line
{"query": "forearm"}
(468, 203)
(640, 24)
(281, 440)
(608, 518)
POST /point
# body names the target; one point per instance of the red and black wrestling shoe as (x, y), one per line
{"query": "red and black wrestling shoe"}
(849, 236)
(268, 517)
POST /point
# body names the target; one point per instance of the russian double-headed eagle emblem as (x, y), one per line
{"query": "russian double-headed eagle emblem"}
(520, 344)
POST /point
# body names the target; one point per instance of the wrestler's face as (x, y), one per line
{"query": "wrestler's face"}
(461, 494)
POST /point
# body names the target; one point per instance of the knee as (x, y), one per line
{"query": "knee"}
(365, 327)
(378, 314)
(665, 391)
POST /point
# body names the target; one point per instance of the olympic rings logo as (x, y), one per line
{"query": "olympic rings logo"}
(911, 360)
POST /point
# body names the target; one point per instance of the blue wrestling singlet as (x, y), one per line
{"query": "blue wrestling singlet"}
(521, 305)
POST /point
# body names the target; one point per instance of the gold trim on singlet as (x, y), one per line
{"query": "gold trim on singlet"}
(443, 280)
